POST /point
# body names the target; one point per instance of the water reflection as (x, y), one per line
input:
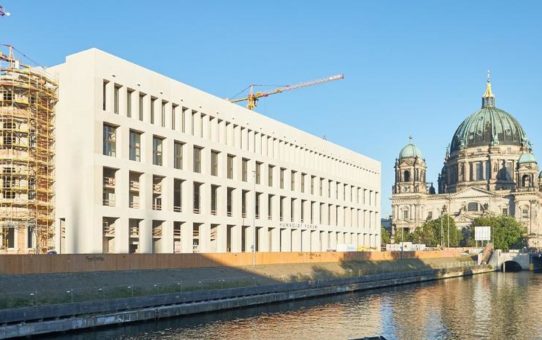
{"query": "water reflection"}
(490, 306)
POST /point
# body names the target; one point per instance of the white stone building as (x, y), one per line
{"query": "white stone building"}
(147, 164)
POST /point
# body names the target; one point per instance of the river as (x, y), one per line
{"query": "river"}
(486, 306)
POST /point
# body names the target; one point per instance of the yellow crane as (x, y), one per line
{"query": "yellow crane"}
(253, 97)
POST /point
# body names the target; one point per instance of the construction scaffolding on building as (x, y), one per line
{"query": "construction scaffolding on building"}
(27, 99)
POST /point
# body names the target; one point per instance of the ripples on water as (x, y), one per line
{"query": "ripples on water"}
(488, 306)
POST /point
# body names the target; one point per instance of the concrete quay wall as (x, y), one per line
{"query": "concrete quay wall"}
(176, 305)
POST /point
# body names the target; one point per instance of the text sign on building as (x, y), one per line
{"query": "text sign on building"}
(482, 233)
(299, 225)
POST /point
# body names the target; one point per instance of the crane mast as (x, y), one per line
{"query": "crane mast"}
(253, 97)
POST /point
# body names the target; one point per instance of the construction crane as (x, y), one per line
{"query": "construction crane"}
(253, 97)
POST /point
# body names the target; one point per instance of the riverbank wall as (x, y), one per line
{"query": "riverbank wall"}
(74, 316)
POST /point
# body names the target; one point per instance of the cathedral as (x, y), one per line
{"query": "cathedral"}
(489, 168)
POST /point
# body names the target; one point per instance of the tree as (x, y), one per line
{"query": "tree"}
(435, 233)
(506, 232)
(385, 235)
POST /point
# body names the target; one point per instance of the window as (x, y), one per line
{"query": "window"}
(174, 110)
(116, 95)
(10, 238)
(30, 237)
(257, 205)
(303, 182)
(292, 210)
(292, 181)
(109, 140)
(321, 186)
(177, 195)
(141, 107)
(135, 146)
(505, 211)
(178, 155)
(196, 202)
(473, 206)
(244, 203)
(129, 93)
(229, 199)
(104, 95)
(405, 214)
(270, 170)
(197, 159)
(282, 171)
(269, 207)
(153, 102)
(244, 169)
(163, 114)
(214, 163)
(230, 166)
(157, 150)
(312, 184)
(258, 172)
(214, 198)
(525, 213)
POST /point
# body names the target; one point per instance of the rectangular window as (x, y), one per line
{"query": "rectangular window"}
(178, 155)
(257, 205)
(303, 182)
(163, 114)
(109, 140)
(30, 237)
(312, 184)
(270, 169)
(135, 146)
(104, 94)
(258, 172)
(230, 166)
(270, 207)
(214, 199)
(174, 110)
(229, 199)
(196, 202)
(177, 195)
(292, 181)
(129, 93)
(244, 170)
(197, 159)
(321, 186)
(157, 150)
(116, 95)
(282, 172)
(214, 163)
(244, 194)
(153, 102)
(141, 105)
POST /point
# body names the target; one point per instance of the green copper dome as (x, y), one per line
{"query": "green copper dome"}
(489, 126)
(527, 158)
(410, 151)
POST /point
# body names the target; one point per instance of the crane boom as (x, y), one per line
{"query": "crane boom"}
(253, 97)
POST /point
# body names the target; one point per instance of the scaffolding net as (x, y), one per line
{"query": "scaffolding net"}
(27, 99)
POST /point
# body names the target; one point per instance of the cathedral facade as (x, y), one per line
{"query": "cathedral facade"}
(489, 169)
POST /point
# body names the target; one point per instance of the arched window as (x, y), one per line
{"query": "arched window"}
(472, 206)
(406, 176)
(526, 181)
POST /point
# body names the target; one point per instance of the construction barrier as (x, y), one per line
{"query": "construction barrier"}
(36, 264)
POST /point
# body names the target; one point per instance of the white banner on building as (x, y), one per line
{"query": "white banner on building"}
(482, 233)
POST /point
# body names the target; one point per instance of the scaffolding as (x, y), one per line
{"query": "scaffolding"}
(27, 99)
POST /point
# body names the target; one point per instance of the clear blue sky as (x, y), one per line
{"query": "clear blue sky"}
(412, 67)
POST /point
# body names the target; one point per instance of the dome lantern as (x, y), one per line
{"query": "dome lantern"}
(488, 99)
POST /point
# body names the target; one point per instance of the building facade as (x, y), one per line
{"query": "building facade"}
(489, 168)
(146, 164)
